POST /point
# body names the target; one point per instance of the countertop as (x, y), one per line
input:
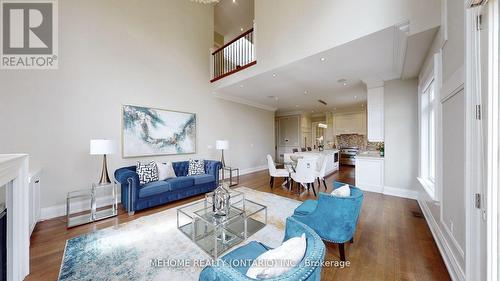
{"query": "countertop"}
(326, 151)
(369, 155)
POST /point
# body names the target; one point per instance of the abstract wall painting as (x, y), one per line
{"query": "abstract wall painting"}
(152, 132)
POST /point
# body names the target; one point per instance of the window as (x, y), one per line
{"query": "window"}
(428, 137)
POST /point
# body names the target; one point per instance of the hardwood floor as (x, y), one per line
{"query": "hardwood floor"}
(390, 243)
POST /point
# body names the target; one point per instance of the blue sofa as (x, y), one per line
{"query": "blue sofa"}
(230, 267)
(135, 196)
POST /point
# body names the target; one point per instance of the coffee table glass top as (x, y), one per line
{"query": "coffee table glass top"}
(216, 234)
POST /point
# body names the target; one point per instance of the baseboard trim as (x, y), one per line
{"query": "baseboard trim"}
(60, 210)
(451, 262)
(400, 192)
(253, 170)
(78, 206)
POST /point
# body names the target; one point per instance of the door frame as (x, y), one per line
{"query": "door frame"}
(482, 165)
(492, 161)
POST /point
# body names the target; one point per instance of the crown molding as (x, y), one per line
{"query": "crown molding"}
(245, 102)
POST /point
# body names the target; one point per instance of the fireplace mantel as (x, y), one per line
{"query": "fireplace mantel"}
(14, 174)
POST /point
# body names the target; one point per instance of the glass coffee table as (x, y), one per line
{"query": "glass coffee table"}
(216, 234)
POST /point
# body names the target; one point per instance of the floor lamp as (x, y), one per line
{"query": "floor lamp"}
(222, 145)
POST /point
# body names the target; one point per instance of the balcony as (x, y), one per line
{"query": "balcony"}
(234, 56)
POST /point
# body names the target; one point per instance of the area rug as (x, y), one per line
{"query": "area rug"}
(126, 251)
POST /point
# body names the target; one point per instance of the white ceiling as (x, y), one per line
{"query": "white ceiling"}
(230, 17)
(371, 58)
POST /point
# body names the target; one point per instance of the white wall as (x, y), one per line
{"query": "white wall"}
(151, 53)
(289, 30)
(401, 134)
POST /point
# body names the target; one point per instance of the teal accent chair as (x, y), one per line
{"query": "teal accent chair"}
(230, 268)
(333, 218)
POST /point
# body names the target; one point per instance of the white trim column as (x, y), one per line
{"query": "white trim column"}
(14, 170)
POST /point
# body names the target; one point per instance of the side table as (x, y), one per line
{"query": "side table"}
(90, 201)
(234, 175)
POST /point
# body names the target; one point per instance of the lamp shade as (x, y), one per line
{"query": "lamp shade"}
(222, 144)
(101, 147)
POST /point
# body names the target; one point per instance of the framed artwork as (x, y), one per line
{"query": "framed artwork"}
(152, 131)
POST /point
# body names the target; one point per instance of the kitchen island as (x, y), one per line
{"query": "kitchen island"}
(332, 158)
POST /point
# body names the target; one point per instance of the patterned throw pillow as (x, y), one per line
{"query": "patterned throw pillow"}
(196, 167)
(147, 172)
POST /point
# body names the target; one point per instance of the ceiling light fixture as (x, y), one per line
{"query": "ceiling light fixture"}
(241, 29)
(322, 59)
(274, 74)
(343, 81)
(306, 92)
(355, 97)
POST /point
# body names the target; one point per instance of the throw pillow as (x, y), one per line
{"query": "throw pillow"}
(280, 260)
(147, 172)
(196, 167)
(165, 171)
(343, 191)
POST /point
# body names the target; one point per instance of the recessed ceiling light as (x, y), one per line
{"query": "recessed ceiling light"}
(343, 81)
(234, 1)
(241, 29)
(274, 74)
(355, 97)
(322, 59)
(306, 92)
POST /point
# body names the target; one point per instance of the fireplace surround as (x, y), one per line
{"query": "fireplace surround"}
(14, 175)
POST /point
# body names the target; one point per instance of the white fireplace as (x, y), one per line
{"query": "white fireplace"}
(14, 175)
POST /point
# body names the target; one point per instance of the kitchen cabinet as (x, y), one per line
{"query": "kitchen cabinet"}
(370, 173)
(350, 123)
(375, 105)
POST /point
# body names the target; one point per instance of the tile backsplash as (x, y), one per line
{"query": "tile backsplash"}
(355, 140)
(351, 140)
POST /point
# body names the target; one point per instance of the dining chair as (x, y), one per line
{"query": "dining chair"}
(303, 149)
(295, 150)
(321, 172)
(274, 172)
(305, 173)
(309, 148)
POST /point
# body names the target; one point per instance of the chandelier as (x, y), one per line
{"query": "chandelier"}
(205, 1)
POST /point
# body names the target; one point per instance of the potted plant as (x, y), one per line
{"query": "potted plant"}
(381, 149)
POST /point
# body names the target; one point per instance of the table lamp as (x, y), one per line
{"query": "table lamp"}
(222, 145)
(103, 147)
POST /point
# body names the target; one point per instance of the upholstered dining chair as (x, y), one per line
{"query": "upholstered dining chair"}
(235, 264)
(333, 218)
(309, 148)
(295, 150)
(321, 172)
(305, 173)
(275, 173)
(303, 149)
